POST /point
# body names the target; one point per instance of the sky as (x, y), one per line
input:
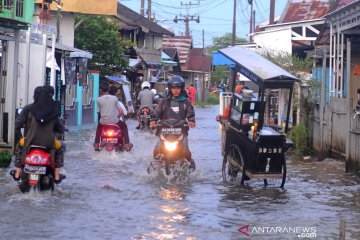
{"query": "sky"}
(216, 16)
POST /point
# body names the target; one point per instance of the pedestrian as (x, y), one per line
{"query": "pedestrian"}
(192, 93)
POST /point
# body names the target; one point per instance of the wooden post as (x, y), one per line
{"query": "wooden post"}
(342, 229)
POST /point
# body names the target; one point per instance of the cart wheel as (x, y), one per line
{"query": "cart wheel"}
(233, 163)
(275, 181)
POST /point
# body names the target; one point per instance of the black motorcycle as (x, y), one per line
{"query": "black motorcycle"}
(171, 134)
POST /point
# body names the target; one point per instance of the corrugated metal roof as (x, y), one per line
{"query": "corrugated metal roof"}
(305, 10)
(181, 43)
(324, 36)
(197, 62)
(133, 18)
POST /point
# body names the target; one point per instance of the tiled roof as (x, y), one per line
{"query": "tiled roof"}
(304, 10)
(183, 45)
(135, 19)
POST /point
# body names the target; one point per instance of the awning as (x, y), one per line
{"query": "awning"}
(219, 59)
(118, 79)
(172, 63)
(257, 68)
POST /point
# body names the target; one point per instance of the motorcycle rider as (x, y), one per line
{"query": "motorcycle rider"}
(145, 98)
(107, 115)
(176, 106)
(112, 91)
(40, 121)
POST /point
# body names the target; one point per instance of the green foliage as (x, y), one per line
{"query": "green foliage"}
(291, 63)
(225, 41)
(213, 99)
(300, 136)
(99, 35)
(220, 73)
(5, 158)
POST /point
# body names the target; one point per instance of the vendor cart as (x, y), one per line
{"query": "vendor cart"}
(254, 146)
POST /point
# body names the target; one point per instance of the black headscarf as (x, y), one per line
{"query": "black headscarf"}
(44, 107)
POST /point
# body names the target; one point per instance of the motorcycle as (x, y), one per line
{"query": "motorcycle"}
(171, 134)
(145, 119)
(111, 138)
(38, 170)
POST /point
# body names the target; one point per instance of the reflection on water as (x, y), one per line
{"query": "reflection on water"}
(111, 196)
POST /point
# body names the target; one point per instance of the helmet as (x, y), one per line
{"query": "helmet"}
(176, 81)
(145, 84)
(154, 91)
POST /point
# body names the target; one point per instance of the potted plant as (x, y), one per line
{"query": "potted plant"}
(5, 158)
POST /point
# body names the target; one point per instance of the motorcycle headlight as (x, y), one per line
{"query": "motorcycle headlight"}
(170, 146)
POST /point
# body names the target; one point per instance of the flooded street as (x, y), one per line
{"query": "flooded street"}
(111, 196)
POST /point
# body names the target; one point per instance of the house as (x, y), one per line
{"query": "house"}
(195, 63)
(197, 70)
(296, 30)
(15, 16)
(337, 64)
(145, 58)
(148, 39)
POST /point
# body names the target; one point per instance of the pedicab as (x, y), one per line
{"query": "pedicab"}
(254, 147)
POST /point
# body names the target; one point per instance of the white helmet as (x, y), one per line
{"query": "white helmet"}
(154, 91)
(145, 84)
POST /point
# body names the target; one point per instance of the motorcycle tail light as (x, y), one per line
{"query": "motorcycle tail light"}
(109, 133)
(35, 159)
(170, 146)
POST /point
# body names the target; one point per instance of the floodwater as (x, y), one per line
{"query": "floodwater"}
(111, 196)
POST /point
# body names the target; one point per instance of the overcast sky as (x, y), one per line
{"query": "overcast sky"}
(215, 15)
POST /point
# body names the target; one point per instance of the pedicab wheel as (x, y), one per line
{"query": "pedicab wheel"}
(233, 163)
(283, 178)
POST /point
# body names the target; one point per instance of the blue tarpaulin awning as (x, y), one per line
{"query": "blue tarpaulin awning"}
(118, 79)
(219, 59)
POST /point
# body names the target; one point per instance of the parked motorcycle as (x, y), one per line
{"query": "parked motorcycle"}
(111, 138)
(171, 134)
(38, 170)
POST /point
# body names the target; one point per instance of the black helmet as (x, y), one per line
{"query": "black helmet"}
(176, 81)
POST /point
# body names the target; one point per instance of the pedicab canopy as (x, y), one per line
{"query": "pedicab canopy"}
(258, 69)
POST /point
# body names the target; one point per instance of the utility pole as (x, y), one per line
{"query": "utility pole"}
(149, 9)
(203, 40)
(251, 20)
(272, 11)
(58, 16)
(187, 18)
(142, 7)
(234, 25)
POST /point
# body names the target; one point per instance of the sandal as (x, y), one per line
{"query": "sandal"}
(61, 177)
(12, 173)
(96, 147)
(129, 146)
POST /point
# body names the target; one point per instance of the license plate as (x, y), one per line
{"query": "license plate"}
(34, 177)
(34, 169)
(110, 140)
(176, 131)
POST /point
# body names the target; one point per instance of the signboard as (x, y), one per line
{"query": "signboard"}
(44, 28)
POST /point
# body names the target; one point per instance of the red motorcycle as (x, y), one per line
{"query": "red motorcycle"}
(38, 170)
(111, 138)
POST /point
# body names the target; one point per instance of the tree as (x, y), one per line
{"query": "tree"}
(225, 41)
(99, 35)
